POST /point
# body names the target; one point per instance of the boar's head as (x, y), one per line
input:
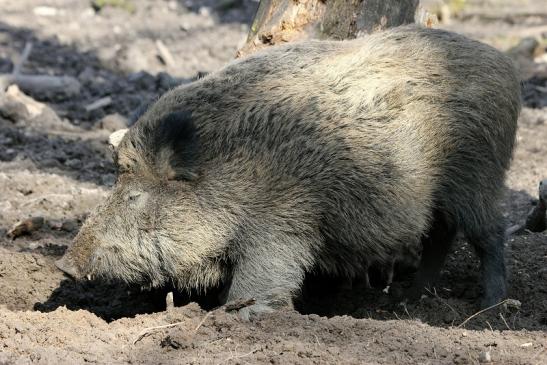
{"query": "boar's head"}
(154, 227)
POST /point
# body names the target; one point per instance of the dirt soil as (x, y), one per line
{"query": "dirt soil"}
(47, 318)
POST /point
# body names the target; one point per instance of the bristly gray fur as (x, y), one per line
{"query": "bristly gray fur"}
(326, 156)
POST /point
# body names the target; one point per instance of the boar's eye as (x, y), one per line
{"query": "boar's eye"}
(137, 200)
(133, 195)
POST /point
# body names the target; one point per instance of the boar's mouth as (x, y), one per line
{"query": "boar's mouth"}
(65, 265)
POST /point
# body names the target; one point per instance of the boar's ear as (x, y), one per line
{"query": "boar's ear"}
(116, 137)
(177, 143)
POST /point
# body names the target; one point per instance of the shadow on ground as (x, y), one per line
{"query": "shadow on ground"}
(112, 301)
(81, 160)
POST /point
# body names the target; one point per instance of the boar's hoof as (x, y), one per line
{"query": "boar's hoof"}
(254, 311)
(68, 268)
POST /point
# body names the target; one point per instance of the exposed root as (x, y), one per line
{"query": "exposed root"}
(147, 331)
(511, 302)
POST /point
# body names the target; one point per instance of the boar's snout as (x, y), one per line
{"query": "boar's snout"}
(66, 265)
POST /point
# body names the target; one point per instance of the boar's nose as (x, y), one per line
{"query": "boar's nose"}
(65, 264)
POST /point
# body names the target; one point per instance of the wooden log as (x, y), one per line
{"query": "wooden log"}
(42, 84)
(38, 84)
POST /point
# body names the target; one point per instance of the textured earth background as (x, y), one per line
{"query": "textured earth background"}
(60, 171)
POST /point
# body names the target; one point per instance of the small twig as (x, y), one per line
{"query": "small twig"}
(66, 85)
(145, 332)
(202, 321)
(484, 310)
(514, 229)
(24, 57)
(490, 326)
(504, 321)
(515, 318)
(406, 311)
(165, 54)
(99, 103)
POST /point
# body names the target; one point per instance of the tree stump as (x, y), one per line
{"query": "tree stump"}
(282, 21)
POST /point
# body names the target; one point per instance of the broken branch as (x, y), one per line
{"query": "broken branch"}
(38, 84)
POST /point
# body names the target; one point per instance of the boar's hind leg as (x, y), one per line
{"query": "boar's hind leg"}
(488, 242)
(270, 274)
(436, 246)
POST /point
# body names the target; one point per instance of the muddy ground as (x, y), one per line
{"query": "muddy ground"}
(61, 174)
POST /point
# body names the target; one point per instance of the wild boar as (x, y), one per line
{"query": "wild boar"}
(322, 156)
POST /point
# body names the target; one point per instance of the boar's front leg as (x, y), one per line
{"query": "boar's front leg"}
(269, 270)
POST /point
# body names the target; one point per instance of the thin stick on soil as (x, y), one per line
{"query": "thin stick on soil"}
(406, 311)
(504, 321)
(513, 229)
(486, 309)
(490, 326)
(202, 321)
(24, 57)
(165, 54)
(145, 332)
